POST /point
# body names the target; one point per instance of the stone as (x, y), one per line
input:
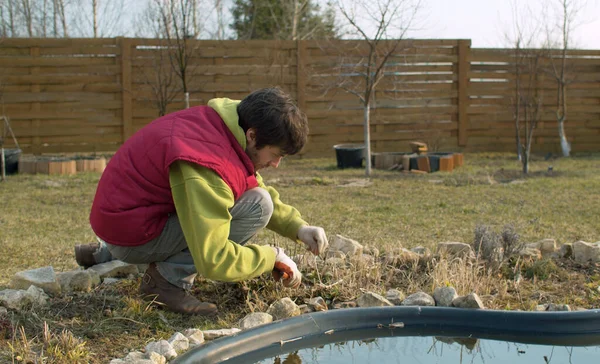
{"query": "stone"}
(215, 334)
(255, 319)
(455, 249)
(530, 253)
(471, 300)
(317, 304)
(547, 247)
(111, 281)
(283, 308)
(305, 309)
(401, 256)
(444, 296)
(371, 250)
(75, 280)
(419, 299)
(347, 304)
(371, 299)
(558, 307)
(422, 251)
(345, 245)
(195, 336)
(17, 299)
(161, 347)
(3, 311)
(44, 277)
(366, 259)
(179, 342)
(137, 357)
(586, 252)
(394, 296)
(115, 269)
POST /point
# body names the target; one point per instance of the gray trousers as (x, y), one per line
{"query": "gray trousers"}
(250, 213)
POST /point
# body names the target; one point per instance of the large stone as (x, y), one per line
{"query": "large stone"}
(195, 336)
(419, 299)
(114, 269)
(444, 296)
(345, 245)
(215, 334)
(283, 308)
(586, 252)
(17, 299)
(179, 342)
(44, 277)
(455, 249)
(471, 300)
(371, 299)
(75, 280)
(255, 319)
(161, 347)
(394, 296)
(422, 251)
(547, 247)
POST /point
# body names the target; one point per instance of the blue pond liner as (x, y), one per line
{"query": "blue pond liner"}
(310, 330)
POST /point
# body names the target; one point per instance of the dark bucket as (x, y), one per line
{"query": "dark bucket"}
(11, 156)
(349, 155)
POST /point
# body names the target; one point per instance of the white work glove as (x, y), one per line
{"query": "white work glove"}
(286, 268)
(314, 237)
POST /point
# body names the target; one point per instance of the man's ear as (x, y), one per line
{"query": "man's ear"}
(251, 137)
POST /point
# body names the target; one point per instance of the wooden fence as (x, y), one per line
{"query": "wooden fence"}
(89, 95)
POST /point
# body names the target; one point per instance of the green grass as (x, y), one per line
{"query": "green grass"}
(43, 217)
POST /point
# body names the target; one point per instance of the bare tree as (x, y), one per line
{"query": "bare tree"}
(382, 26)
(33, 18)
(97, 18)
(567, 14)
(528, 78)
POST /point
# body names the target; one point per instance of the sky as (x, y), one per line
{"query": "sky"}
(486, 22)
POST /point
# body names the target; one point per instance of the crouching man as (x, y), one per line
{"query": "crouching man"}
(183, 194)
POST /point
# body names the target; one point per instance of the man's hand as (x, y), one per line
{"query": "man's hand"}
(314, 237)
(286, 268)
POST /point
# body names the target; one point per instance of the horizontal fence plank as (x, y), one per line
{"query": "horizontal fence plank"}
(69, 96)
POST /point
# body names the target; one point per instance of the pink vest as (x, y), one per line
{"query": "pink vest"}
(133, 199)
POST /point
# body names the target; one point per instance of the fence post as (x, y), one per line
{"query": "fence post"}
(36, 144)
(127, 114)
(464, 67)
(300, 74)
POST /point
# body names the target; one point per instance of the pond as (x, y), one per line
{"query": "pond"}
(437, 350)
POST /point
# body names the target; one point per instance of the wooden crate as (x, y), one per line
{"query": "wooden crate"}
(90, 164)
(45, 165)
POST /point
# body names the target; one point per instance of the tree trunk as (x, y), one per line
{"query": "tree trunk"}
(564, 143)
(187, 100)
(367, 117)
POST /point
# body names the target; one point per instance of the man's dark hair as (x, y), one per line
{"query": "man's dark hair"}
(276, 119)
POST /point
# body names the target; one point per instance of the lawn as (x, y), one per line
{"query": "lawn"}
(43, 217)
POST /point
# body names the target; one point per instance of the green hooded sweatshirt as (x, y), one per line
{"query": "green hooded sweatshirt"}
(202, 201)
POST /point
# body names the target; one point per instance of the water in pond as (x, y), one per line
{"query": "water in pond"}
(429, 350)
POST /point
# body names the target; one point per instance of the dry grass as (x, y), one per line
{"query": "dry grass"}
(43, 217)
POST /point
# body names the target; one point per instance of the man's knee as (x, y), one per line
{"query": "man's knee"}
(261, 197)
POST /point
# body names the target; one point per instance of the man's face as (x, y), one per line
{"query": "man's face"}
(267, 156)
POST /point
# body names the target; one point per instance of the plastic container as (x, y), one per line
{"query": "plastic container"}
(11, 156)
(349, 155)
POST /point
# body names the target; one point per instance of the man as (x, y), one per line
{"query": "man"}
(183, 195)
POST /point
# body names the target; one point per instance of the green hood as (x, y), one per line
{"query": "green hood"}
(227, 110)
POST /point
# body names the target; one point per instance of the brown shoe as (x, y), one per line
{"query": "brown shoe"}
(84, 254)
(155, 287)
